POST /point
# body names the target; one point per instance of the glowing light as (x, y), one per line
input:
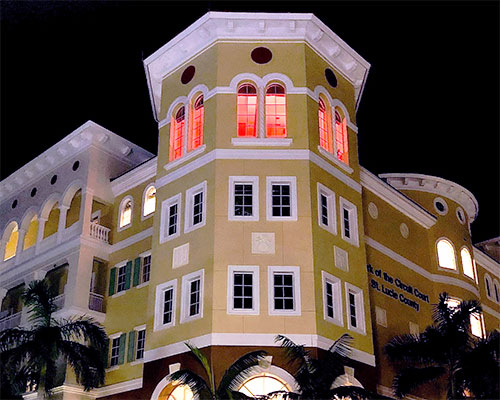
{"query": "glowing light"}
(126, 214)
(341, 138)
(197, 124)
(275, 111)
(247, 111)
(446, 255)
(263, 384)
(177, 135)
(325, 133)
(467, 263)
(150, 201)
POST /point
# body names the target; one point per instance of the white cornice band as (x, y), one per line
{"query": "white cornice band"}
(396, 199)
(249, 339)
(436, 185)
(486, 262)
(135, 177)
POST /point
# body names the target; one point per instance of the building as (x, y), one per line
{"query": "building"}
(254, 219)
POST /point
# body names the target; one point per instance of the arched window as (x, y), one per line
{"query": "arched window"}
(176, 391)
(196, 139)
(325, 127)
(446, 254)
(177, 135)
(467, 264)
(126, 212)
(11, 245)
(247, 111)
(487, 284)
(341, 141)
(497, 290)
(149, 201)
(275, 111)
(262, 384)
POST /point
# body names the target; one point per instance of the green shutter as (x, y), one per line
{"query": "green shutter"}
(121, 355)
(105, 355)
(128, 274)
(131, 346)
(112, 278)
(137, 271)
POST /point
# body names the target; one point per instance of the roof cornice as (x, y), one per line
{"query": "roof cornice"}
(396, 199)
(215, 26)
(436, 185)
(486, 261)
(89, 134)
(134, 177)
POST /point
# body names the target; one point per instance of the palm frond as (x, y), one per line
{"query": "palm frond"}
(204, 362)
(461, 318)
(84, 329)
(86, 362)
(236, 374)
(342, 346)
(14, 337)
(39, 298)
(196, 383)
(408, 379)
(295, 353)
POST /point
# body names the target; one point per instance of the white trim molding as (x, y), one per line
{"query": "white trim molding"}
(284, 270)
(135, 177)
(186, 296)
(160, 305)
(253, 270)
(291, 181)
(245, 180)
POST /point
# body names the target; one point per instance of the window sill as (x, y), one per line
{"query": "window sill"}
(145, 217)
(280, 313)
(143, 284)
(185, 158)
(166, 239)
(271, 142)
(243, 312)
(122, 228)
(113, 368)
(451, 270)
(190, 319)
(334, 321)
(191, 228)
(357, 330)
(136, 362)
(118, 294)
(334, 160)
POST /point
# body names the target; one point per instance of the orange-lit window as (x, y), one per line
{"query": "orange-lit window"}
(177, 135)
(247, 111)
(275, 111)
(341, 138)
(196, 139)
(325, 134)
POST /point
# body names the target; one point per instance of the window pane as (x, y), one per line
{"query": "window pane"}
(198, 208)
(283, 292)
(177, 135)
(446, 255)
(275, 107)
(247, 111)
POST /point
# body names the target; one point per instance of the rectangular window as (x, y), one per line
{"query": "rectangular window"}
(355, 308)
(326, 209)
(281, 198)
(170, 218)
(196, 204)
(122, 275)
(141, 341)
(146, 268)
(243, 290)
(192, 296)
(349, 222)
(243, 198)
(165, 305)
(332, 299)
(284, 290)
(115, 351)
(477, 325)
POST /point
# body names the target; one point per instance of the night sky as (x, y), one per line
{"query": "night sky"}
(430, 105)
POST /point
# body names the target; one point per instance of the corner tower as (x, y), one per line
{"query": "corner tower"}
(260, 224)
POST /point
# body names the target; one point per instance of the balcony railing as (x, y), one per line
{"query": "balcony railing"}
(95, 302)
(10, 321)
(59, 301)
(99, 232)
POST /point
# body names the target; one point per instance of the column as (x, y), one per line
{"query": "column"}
(86, 211)
(261, 104)
(63, 212)
(20, 243)
(77, 289)
(39, 235)
(3, 245)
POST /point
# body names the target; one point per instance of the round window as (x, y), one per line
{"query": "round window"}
(405, 231)
(373, 210)
(188, 74)
(331, 78)
(261, 55)
(440, 206)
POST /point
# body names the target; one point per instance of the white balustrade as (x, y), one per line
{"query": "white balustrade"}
(99, 232)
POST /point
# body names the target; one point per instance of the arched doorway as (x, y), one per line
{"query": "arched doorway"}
(264, 383)
(176, 391)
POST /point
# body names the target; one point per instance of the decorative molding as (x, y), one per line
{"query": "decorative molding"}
(131, 240)
(270, 142)
(134, 177)
(486, 262)
(436, 185)
(490, 311)
(250, 339)
(396, 199)
(220, 26)
(186, 157)
(419, 270)
(330, 157)
(116, 388)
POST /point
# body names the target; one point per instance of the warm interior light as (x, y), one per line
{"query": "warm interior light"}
(275, 111)
(325, 135)
(476, 324)
(126, 215)
(150, 201)
(247, 111)
(263, 384)
(177, 135)
(467, 263)
(446, 255)
(341, 138)
(197, 124)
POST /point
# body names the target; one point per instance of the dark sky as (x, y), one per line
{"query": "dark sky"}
(430, 106)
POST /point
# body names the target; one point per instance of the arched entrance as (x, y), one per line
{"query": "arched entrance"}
(263, 384)
(176, 391)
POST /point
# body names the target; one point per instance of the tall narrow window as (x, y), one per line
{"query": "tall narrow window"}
(487, 282)
(165, 305)
(149, 201)
(477, 324)
(247, 111)
(146, 268)
(332, 301)
(243, 198)
(349, 222)
(275, 111)
(177, 135)
(281, 204)
(195, 207)
(446, 254)
(192, 296)
(467, 263)
(497, 294)
(243, 289)
(126, 213)
(115, 351)
(355, 308)
(168, 302)
(141, 341)
(325, 132)
(326, 209)
(341, 138)
(196, 139)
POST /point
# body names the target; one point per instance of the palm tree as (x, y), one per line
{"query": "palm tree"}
(232, 379)
(32, 355)
(447, 350)
(315, 376)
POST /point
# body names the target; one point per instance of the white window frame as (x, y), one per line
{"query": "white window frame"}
(331, 207)
(295, 271)
(159, 304)
(493, 295)
(120, 210)
(338, 317)
(360, 308)
(146, 216)
(488, 279)
(247, 269)
(111, 338)
(473, 277)
(118, 267)
(353, 221)
(481, 322)
(142, 256)
(165, 217)
(185, 295)
(188, 216)
(252, 180)
(138, 329)
(292, 181)
(455, 269)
